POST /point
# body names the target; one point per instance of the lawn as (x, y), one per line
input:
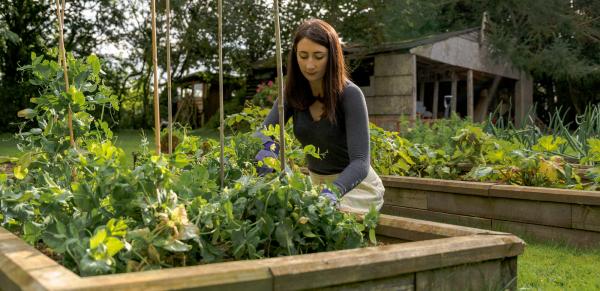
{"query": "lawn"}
(8, 145)
(129, 140)
(550, 266)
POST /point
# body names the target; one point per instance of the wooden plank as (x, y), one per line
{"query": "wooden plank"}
(413, 113)
(436, 93)
(586, 217)
(24, 266)
(469, 221)
(357, 265)
(406, 197)
(439, 185)
(454, 93)
(509, 273)
(572, 237)
(546, 194)
(414, 229)
(237, 275)
(523, 98)
(536, 212)
(284, 273)
(479, 276)
(398, 283)
(459, 204)
(470, 93)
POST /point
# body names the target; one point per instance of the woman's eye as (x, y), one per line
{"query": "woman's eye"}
(319, 57)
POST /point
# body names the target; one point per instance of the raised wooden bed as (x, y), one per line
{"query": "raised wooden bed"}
(436, 256)
(568, 216)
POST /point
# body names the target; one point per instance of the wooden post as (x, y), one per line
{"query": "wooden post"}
(279, 85)
(62, 56)
(436, 93)
(470, 94)
(413, 111)
(454, 92)
(169, 105)
(523, 99)
(221, 102)
(155, 66)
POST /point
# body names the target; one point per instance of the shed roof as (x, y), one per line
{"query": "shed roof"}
(405, 45)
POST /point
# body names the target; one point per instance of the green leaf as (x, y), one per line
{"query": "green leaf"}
(27, 113)
(31, 232)
(372, 236)
(548, 143)
(113, 245)
(228, 207)
(94, 61)
(174, 245)
(98, 238)
(76, 96)
(20, 172)
(118, 229)
(89, 267)
(284, 234)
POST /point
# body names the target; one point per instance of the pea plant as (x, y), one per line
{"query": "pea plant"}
(87, 209)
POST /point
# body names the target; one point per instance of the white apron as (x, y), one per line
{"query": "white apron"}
(369, 192)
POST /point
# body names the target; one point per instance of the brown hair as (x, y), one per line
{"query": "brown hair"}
(297, 89)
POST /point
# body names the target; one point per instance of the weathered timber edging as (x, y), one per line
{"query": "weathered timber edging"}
(450, 257)
(569, 216)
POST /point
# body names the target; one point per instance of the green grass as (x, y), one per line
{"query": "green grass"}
(129, 140)
(8, 145)
(552, 266)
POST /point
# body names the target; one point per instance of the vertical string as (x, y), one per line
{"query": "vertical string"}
(279, 86)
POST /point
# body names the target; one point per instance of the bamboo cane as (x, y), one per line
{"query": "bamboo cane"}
(170, 114)
(155, 65)
(60, 14)
(279, 86)
(221, 109)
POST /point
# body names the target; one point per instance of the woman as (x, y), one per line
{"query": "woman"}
(330, 113)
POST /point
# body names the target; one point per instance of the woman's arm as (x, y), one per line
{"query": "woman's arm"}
(357, 137)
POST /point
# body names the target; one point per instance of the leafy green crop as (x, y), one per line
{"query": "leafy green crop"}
(96, 215)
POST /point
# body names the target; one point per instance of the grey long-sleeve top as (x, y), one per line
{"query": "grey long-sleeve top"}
(345, 144)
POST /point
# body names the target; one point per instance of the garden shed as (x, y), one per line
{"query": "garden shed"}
(198, 96)
(432, 77)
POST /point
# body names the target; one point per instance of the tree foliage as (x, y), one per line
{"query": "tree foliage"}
(557, 41)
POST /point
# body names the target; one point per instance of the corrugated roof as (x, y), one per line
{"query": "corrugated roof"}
(404, 45)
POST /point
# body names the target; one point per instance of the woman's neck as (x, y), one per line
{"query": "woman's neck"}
(317, 88)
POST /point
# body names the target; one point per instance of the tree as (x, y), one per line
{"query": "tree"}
(25, 28)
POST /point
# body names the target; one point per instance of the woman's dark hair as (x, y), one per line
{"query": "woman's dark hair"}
(297, 89)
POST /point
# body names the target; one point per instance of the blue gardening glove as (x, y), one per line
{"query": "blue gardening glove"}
(329, 195)
(268, 151)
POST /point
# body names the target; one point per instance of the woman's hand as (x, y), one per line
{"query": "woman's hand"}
(271, 149)
(329, 195)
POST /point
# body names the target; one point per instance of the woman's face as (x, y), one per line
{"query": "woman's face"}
(312, 59)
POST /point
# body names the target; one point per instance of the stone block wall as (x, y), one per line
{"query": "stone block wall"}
(390, 94)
